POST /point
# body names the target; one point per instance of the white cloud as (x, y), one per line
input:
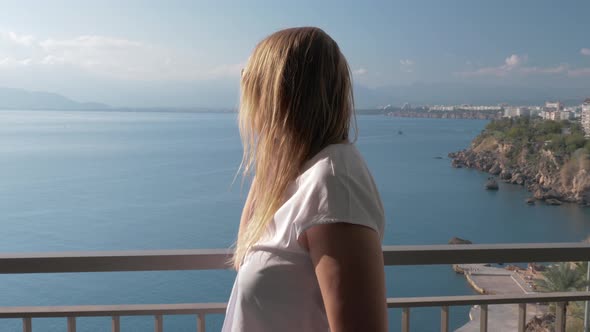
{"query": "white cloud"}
(563, 68)
(514, 60)
(12, 62)
(585, 51)
(24, 40)
(578, 72)
(406, 65)
(360, 71)
(112, 57)
(515, 64)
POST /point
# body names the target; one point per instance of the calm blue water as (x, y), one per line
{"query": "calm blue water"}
(135, 180)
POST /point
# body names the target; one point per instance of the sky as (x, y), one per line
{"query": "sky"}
(190, 53)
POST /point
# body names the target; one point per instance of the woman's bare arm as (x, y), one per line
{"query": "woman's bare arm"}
(348, 262)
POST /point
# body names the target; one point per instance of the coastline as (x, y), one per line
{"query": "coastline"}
(494, 280)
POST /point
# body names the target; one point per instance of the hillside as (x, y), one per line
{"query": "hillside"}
(17, 99)
(550, 158)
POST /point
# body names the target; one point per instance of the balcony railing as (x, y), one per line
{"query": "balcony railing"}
(112, 261)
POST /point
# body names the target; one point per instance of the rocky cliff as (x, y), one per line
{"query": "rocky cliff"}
(534, 158)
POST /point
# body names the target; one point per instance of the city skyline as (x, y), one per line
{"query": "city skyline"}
(181, 54)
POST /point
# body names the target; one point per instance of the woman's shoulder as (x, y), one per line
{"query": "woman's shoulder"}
(335, 160)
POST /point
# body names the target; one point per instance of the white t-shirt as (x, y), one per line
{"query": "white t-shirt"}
(276, 288)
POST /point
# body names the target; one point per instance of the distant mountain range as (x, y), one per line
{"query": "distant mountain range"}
(365, 98)
(18, 99)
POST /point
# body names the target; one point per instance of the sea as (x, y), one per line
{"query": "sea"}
(108, 180)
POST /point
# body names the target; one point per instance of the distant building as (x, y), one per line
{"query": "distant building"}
(523, 111)
(565, 115)
(441, 108)
(586, 116)
(535, 111)
(465, 107)
(479, 108)
(406, 107)
(510, 112)
(551, 115)
(513, 111)
(553, 106)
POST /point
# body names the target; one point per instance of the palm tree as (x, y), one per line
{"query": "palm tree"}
(562, 277)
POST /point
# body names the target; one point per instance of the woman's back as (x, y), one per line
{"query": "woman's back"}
(276, 287)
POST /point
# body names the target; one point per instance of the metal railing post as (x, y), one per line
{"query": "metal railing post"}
(27, 325)
(586, 306)
(116, 324)
(483, 318)
(158, 323)
(521, 317)
(444, 318)
(560, 316)
(200, 323)
(71, 324)
(406, 319)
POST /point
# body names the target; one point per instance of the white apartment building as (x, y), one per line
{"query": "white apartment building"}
(441, 108)
(514, 111)
(553, 106)
(510, 112)
(565, 115)
(586, 117)
(551, 115)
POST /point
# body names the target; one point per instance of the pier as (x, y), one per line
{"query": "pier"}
(491, 280)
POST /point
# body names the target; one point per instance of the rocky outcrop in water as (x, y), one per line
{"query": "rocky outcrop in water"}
(550, 176)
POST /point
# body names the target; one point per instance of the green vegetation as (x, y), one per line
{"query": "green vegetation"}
(563, 277)
(562, 138)
(566, 277)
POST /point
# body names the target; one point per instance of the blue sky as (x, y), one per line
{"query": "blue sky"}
(189, 53)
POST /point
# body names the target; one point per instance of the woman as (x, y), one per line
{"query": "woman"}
(308, 252)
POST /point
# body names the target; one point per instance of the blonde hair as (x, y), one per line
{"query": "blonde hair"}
(296, 99)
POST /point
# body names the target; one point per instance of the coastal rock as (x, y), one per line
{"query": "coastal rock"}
(551, 194)
(495, 169)
(530, 201)
(458, 240)
(457, 163)
(517, 178)
(505, 175)
(542, 323)
(491, 184)
(553, 201)
(545, 174)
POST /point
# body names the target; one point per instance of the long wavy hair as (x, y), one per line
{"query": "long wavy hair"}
(296, 99)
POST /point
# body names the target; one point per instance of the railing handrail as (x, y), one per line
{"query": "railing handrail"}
(219, 308)
(112, 310)
(217, 259)
(461, 300)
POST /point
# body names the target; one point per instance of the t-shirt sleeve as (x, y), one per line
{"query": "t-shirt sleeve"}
(346, 197)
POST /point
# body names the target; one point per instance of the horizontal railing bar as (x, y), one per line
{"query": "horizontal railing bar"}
(112, 261)
(113, 310)
(486, 253)
(216, 259)
(119, 310)
(441, 301)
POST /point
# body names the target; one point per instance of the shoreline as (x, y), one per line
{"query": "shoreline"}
(485, 280)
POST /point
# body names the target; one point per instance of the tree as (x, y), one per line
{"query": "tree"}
(562, 277)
